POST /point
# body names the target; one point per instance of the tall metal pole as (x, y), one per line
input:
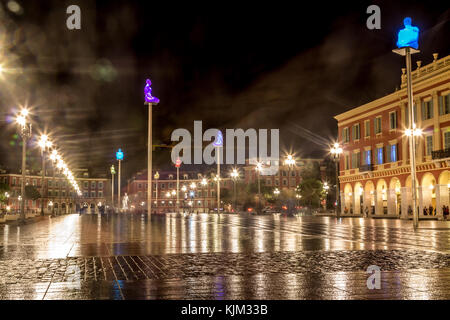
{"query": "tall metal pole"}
(156, 196)
(259, 193)
(149, 163)
(412, 144)
(54, 186)
(234, 194)
(178, 189)
(22, 187)
(118, 185)
(112, 190)
(42, 182)
(218, 179)
(338, 191)
(60, 193)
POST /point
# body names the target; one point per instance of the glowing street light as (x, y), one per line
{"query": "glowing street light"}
(156, 176)
(44, 144)
(336, 151)
(234, 176)
(218, 143)
(25, 133)
(178, 165)
(258, 169)
(113, 172)
(276, 192)
(119, 157)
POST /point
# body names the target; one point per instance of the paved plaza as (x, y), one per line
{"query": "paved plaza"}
(222, 257)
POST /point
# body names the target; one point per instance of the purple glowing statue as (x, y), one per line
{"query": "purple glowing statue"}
(148, 93)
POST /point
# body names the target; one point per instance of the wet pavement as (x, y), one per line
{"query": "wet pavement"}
(222, 257)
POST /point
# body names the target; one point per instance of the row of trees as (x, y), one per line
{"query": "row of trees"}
(311, 190)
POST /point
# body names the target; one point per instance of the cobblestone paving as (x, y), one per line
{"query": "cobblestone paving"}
(212, 257)
(177, 266)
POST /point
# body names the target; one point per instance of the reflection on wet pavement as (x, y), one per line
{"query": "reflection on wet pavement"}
(222, 257)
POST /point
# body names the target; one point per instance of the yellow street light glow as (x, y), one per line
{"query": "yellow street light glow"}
(21, 120)
(204, 182)
(193, 185)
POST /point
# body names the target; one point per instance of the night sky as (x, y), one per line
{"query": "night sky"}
(229, 64)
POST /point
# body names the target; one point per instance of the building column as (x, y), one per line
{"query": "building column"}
(406, 201)
(419, 141)
(376, 202)
(442, 199)
(392, 202)
(421, 204)
(342, 202)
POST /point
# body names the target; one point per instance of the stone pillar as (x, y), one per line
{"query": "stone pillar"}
(377, 196)
(392, 202)
(420, 198)
(406, 201)
(357, 202)
(351, 207)
(442, 199)
(342, 202)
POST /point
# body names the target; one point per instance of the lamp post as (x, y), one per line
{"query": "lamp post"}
(113, 172)
(218, 143)
(336, 151)
(184, 189)
(25, 133)
(119, 157)
(150, 100)
(177, 203)
(204, 183)
(289, 161)
(234, 176)
(53, 157)
(45, 144)
(407, 45)
(193, 186)
(156, 199)
(258, 169)
(326, 187)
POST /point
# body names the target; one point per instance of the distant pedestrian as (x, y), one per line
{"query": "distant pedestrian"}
(430, 210)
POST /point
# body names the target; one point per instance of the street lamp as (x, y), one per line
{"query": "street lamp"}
(119, 157)
(156, 179)
(289, 161)
(184, 189)
(234, 176)
(178, 165)
(150, 101)
(408, 44)
(258, 169)
(45, 144)
(113, 172)
(336, 151)
(218, 143)
(25, 133)
(204, 183)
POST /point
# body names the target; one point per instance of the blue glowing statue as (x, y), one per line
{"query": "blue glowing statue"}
(219, 140)
(409, 36)
(148, 93)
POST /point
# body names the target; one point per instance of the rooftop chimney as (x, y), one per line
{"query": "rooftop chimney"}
(435, 56)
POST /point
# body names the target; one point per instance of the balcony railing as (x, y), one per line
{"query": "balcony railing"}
(366, 167)
(440, 154)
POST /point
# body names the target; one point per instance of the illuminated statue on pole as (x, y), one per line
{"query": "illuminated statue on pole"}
(148, 93)
(409, 36)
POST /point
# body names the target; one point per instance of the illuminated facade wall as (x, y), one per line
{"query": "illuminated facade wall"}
(375, 169)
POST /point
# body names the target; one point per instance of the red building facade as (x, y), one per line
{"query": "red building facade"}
(374, 168)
